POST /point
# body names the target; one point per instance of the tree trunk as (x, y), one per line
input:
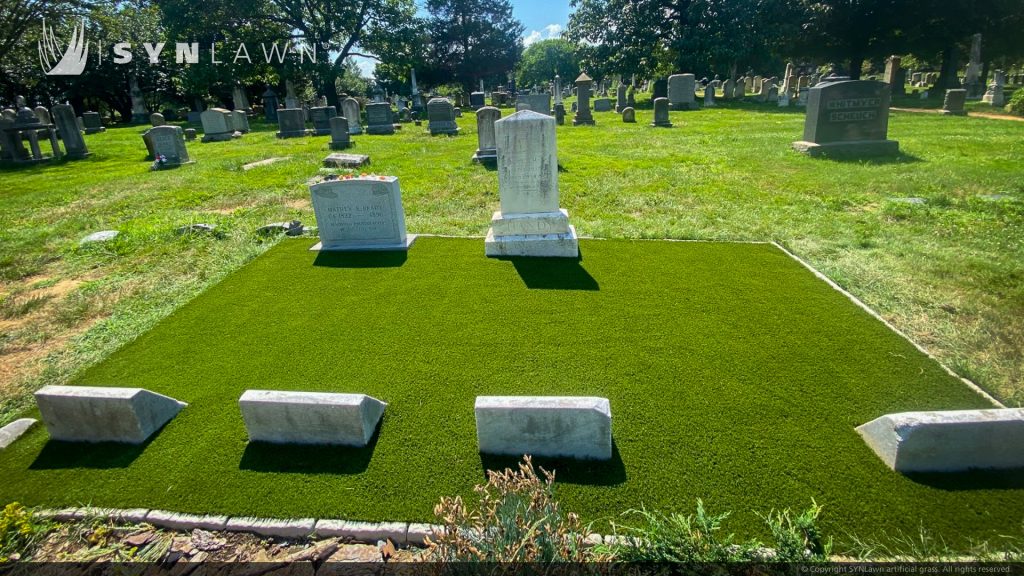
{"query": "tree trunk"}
(947, 75)
(856, 62)
(985, 67)
(327, 86)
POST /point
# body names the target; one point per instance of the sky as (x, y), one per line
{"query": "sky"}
(543, 19)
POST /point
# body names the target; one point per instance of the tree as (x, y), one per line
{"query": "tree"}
(543, 60)
(472, 40)
(851, 31)
(18, 16)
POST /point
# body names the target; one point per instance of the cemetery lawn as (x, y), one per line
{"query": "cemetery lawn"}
(734, 375)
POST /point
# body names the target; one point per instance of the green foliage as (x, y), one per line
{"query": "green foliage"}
(20, 530)
(517, 519)
(471, 40)
(797, 538)
(544, 59)
(1016, 103)
(678, 538)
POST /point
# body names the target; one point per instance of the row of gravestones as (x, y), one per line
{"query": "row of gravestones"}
(380, 120)
(27, 125)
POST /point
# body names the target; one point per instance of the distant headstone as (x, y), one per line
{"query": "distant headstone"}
(948, 441)
(92, 122)
(339, 160)
(218, 125)
(282, 417)
(661, 119)
(95, 414)
(380, 119)
(240, 121)
(477, 100)
(660, 88)
(441, 117)
(239, 99)
(486, 144)
(190, 134)
(530, 222)
(540, 103)
(157, 119)
(548, 426)
(602, 105)
(340, 138)
(363, 213)
(847, 118)
(270, 105)
(291, 123)
(559, 113)
(681, 89)
(350, 110)
(620, 98)
(321, 119)
(628, 115)
(67, 125)
(728, 87)
(583, 115)
(168, 146)
(709, 96)
(954, 102)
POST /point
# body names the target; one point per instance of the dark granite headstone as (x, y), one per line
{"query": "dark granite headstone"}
(168, 145)
(660, 88)
(379, 119)
(321, 119)
(476, 100)
(291, 122)
(847, 118)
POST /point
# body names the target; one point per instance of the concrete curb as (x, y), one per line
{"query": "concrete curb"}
(977, 389)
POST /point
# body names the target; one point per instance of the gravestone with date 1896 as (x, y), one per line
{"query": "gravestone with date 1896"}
(362, 213)
(847, 118)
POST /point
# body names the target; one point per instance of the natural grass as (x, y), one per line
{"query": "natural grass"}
(734, 375)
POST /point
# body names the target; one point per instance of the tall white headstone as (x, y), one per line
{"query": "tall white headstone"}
(530, 222)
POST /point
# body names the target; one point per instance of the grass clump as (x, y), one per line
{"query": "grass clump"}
(20, 531)
(517, 519)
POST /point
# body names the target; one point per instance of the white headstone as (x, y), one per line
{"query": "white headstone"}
(363, 213)
(97, 414)
(283, 417)
(553, 426)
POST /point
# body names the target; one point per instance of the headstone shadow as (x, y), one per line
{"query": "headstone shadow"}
(1010, 479)
(899, 158)
(567, 470)
(59, 455)
(553, 273)
(369, 259)
(309, 458)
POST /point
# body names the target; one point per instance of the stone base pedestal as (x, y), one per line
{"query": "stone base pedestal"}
(380, 129)
(487, 155)
(94, 130)
(292, 134)
(683, 105)
(588, 121)
(409, 239)
(222, 137)
(446, 128)
(862, 149)
(661, 124)
(547, 235)
(341, 145)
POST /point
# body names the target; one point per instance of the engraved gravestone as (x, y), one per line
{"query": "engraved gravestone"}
(157, 119)
(583, 115)
(602, 105)
(67, 126)
(628, 115)
(240, 121)
(291, 123)
(218, 125)
(363, 213)
(379, 119)
(168, 144)
(350, 110)
(476, 100)
(540, 103)
(441, 117)
(661, 119)
(92, 123)
(486, 144)
(954, 102)
(321, 118)
(620, 98)
(848, 118)
(681, 88)
(340, 138)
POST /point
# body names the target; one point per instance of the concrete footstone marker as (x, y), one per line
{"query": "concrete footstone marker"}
(567, 426)
(98, 414)
(283, 417)
(14, 430)
(948, 441)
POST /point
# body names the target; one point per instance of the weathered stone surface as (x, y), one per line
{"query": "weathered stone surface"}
(350, 109)
(266, 162)
(299, 528)
(441, 117)
(954, 102)
(417, 533)
(847, 118)
(177, 521)
(628, 115)
(575, 427)
(292, 228)
(282, 417)
(101, 236)
(487, 150)
(168, 146)
(583, 116)
(602, 105)
(530, 222)
(948, 441)
(681, 90)
(321, 119)
(477, 100)
(96, 414)
(340, 138)
(71, 135)
(92, 123)
(218, 125)
(14, 430)
(196, 229)
(661, 118)
(291, 123)
(240, 121)
(539, 103)
(380, 119)
(363, 213)
(339, 160)
(157, 119)
(362, 531)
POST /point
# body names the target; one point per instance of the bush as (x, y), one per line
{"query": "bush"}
(19, 532)
(516, 520)
(1016, 103)
(678, 538)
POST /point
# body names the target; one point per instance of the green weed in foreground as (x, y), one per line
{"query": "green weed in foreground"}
(734, 375)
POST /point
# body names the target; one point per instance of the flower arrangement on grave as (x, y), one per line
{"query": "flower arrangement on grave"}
(159, 162)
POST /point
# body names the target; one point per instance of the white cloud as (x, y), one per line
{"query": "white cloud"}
(549, 31)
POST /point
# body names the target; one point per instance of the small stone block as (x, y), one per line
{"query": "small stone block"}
(282, 417)
(862, 149)
(101, 236)
(948, 441)
(346, 160)
(301, 528)
(537, 245)
(567, 426)
(535, 223)
(14, 430)
(98, 414)
(176, 521)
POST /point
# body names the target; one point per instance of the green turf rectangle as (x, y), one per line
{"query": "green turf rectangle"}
(734, 375)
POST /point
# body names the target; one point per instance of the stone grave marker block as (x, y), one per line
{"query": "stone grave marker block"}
(552, 426)
(847, 118)
(350, 109)
(681, 90)
(359, 214)
(321, 119)
(441, 117)
(96, 414)
(486, 144)
(291, 123)
(380, 119)
(340, 138)
(282, 417)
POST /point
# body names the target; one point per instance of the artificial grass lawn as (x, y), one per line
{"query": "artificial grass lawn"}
(734, 375)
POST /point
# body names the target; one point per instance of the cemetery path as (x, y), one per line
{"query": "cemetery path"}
(969, 114)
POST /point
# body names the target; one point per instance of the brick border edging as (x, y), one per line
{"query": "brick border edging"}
(401, 533)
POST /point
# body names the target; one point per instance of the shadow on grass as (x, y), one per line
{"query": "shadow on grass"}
(899, 158)
(375, 259)
(553, 273)
(58, 455)
(308, 459)
(567, 470)
(1011, 479)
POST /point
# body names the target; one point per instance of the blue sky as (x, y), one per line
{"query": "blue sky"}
(543, 19)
